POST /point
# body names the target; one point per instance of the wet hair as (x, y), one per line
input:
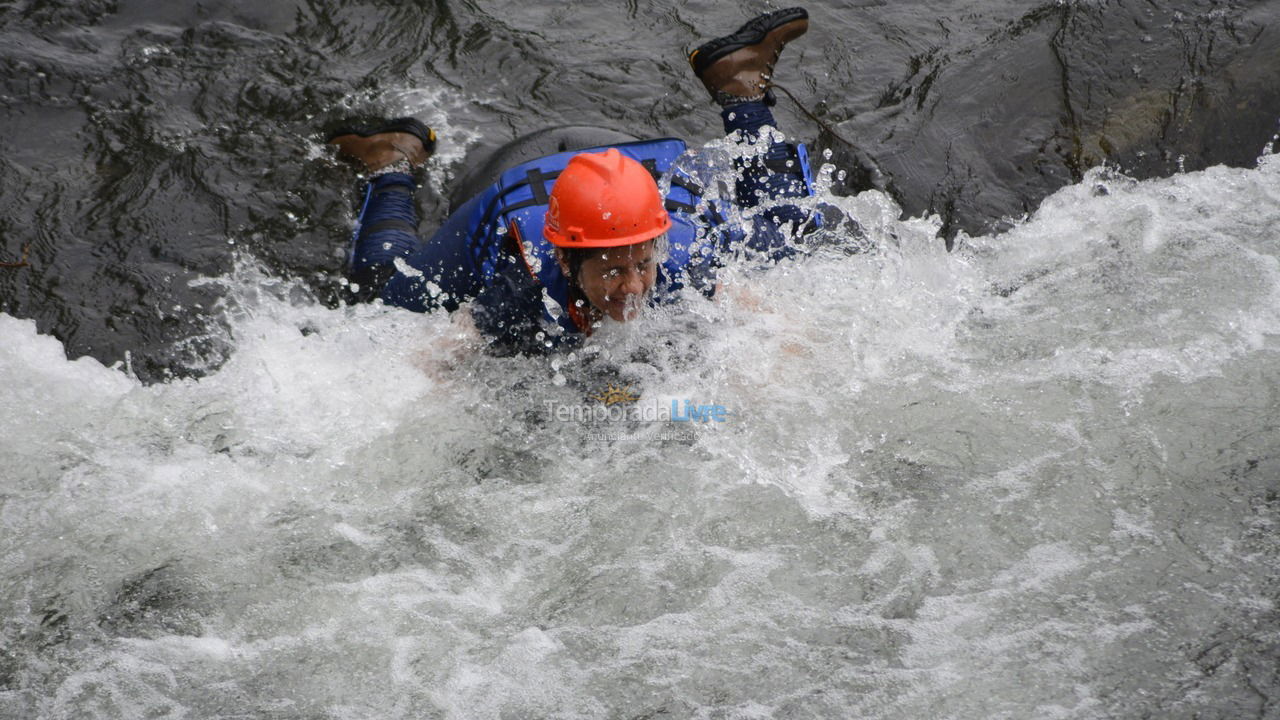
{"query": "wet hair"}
(574, 258)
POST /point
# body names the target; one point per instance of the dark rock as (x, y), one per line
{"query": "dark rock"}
(980, 135)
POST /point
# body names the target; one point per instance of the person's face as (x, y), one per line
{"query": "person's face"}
(616, 280)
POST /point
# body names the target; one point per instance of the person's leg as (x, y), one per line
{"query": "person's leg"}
(386, 229)
(737, 70)
(388, 259)
(442, 271)
(767, 178)
(775, 173)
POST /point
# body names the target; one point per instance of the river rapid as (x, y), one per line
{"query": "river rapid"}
(1033, 478)
(1037, 476)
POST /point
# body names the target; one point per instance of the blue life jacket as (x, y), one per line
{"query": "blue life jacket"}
(517, 210)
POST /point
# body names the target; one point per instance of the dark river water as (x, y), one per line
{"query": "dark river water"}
(1018, 457)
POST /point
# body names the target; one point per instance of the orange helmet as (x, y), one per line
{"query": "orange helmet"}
(604, 200)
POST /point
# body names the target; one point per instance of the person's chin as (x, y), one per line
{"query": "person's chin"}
(622, 312)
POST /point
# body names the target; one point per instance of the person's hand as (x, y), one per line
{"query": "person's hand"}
(462, 339)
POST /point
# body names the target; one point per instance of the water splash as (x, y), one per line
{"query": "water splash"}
(1032, 478)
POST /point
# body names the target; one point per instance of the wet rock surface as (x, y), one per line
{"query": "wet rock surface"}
(981, 133)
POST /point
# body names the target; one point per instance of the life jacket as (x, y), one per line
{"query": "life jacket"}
(511, 228)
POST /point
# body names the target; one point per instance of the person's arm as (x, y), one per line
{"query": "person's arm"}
(509, 312)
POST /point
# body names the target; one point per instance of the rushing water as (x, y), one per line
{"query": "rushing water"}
(1034, 478)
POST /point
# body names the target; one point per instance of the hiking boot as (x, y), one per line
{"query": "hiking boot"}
(379, 146)
(738, 67)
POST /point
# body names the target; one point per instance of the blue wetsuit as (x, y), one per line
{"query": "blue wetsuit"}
(470, 257)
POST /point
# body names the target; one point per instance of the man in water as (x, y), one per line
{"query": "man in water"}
(545, 267)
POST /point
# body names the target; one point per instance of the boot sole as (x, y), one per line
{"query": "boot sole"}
(750, 34)
(404, 125)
